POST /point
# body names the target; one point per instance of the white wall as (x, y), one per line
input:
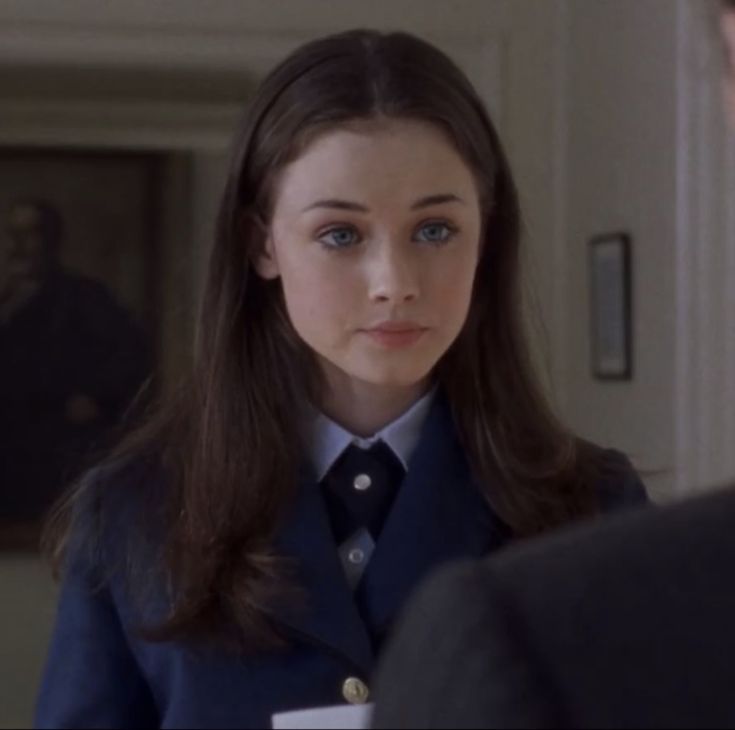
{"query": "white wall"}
(621, 173)
(647, 153)
(705, 260)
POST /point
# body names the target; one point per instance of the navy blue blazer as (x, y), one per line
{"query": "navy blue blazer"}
(99, 674)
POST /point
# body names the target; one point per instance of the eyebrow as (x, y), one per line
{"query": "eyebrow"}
(427, 202)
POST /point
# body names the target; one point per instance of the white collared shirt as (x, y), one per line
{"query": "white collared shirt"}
(329, 440)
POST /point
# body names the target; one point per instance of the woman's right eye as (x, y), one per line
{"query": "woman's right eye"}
(341, 237)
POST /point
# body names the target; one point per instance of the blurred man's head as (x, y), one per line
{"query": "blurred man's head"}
(29, 245)
(728, 31)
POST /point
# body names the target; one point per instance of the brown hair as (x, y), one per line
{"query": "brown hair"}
(230, 440)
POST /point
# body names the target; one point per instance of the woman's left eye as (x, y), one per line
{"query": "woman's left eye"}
(436, 233)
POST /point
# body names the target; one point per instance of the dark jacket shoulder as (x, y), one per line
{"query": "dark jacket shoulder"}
(621, 623)
(617, 483)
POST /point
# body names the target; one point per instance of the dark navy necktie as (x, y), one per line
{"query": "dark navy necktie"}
(360, 489)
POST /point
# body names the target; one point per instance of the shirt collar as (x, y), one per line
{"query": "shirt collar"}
(328, 439)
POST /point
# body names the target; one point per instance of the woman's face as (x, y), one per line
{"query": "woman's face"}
(375, 235)
(728, 29)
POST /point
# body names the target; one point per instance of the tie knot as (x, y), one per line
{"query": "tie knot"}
(361, 487)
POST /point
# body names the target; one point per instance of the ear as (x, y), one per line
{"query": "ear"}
(264, 260)
(266, 263)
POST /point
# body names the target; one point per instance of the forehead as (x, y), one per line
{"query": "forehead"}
(376, 159)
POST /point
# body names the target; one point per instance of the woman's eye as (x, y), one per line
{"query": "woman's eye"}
(339, 237)
(436, 233)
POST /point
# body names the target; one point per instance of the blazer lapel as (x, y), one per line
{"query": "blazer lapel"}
(440, 515)
(328, 614)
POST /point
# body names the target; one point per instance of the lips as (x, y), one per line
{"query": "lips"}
(396, 326)
(395, 334)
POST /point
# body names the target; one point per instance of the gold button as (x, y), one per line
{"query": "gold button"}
(355, 691)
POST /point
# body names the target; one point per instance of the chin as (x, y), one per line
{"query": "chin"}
(399, 371)
(394, 378)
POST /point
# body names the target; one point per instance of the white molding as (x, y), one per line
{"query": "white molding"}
(684, 398)
(237, 35)
(701, 241)
(266, 17)
(123, 125)
(727, 403)
(98, 46)
(705, 265)
(180, 124)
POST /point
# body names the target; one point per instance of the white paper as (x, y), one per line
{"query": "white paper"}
(341, 717)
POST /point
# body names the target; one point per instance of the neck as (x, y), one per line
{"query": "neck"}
(363, 409)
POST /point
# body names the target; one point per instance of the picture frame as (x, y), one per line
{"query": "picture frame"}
(76, 351)
(611, 306)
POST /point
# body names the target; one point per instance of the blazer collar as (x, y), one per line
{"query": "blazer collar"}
(328, 614)
(439, 515)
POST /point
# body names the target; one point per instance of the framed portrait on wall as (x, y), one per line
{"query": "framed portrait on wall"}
(78, 303)
(611, 279)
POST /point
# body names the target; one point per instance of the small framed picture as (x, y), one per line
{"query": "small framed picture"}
(611, 279)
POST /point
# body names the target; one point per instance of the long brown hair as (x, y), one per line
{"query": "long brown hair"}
(229, 440)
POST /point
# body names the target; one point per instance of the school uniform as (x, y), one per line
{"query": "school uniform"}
(356, 579)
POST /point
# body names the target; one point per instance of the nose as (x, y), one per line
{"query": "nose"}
(394, 276)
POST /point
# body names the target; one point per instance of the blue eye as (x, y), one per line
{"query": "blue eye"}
(339, 237)
(436, 233)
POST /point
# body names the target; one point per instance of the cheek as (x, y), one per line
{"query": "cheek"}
(319, 299)
(452, 283)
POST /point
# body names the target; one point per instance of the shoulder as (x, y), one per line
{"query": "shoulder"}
(642, 547)
(72, 287)
(639, 559)
(117, 511)
(574, 607)
(70, 281)
(85, 296)
(616, 482)
(123, 487)
(474, 645)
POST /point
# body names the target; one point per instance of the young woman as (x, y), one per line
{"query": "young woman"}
(361, 410)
